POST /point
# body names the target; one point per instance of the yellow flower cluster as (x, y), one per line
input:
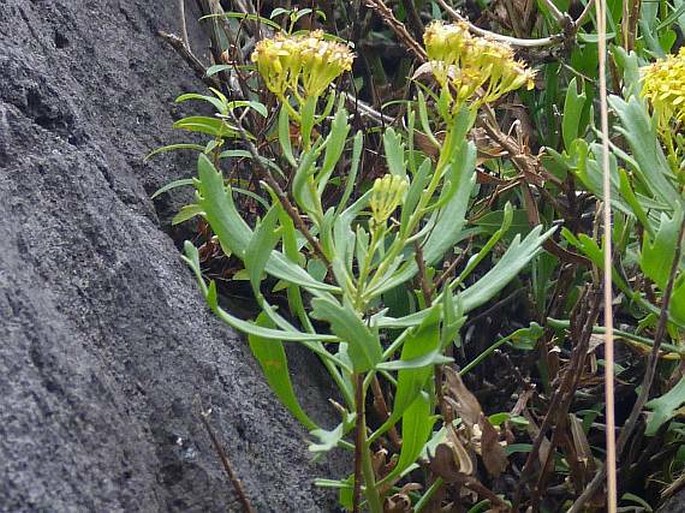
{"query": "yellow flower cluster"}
(663, 84)
(387, 194)
(475, 69)
(306, 60)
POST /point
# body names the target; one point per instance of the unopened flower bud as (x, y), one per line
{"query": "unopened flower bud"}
(386, 195)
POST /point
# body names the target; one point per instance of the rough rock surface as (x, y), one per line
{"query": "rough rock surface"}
(107, 352)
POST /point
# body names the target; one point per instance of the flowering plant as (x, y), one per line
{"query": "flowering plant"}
(339, 264)
(381, 230)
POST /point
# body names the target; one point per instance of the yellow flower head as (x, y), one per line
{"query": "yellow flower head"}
(475, 69)
(663, 84)
(445, 43)
(306, 60)
(386, 195)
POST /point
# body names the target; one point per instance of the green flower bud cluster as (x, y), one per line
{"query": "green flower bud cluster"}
(387, 194)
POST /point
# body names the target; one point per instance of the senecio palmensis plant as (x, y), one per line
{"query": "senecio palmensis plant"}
(340, 265)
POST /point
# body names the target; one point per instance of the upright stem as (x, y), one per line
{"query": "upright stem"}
(359, 442)
(363, 466)
(419, 212)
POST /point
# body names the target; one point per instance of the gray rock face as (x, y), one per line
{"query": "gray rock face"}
(107, 352)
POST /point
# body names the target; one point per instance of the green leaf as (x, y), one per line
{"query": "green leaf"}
(421, 351)
(262, 243)
(423, 118)
(632, 201)
(587, 245)
(644, 505)
(573, 109)
(658, 253)
(417, 426)
(176, 183)
(628, 63)
(256, 106)
(346, 494)
(423, 340)
(492, 221)
(272, 359)
(517, 256)
(187, 212)
(234, 233)
(328, 439)
(523, 338)
(357, 147)
(284, 136)
(507, 218)
(497, 419)
(173, 147)
(452, 319)
(653, 169)
(418, 183)
(216, 102)
(364, 347)
(303, 187)
(308, 114)
(192, 257)
(233, 154)
(666, 407)
(451, 218)
(212, 126)
(244, 16)
(394, 153)
(267, 333)
(594, 38)
(218, 68)
(335, 144)
(677, 305)
(421, 362)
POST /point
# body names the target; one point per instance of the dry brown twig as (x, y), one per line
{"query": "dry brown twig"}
(398, 27)
(228, 468)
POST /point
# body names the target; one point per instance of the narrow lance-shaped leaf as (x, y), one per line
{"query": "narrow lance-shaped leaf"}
(357, 148)
(394, 152)
(423, 340)
(417, 426)
(335, 144)
(640, 133)
(272, 359)
(262, 243)
(234, 234)
(658, 253)
(517, 256)
(186, 212)
(284, 136)
(664, 408)
(573, 109)
(364, 347)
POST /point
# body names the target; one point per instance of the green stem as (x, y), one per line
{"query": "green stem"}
(363, 464)
(482, 356)
(426, 497)
(401, 241)
(376, 235)
(372, 496)
(292, 112)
